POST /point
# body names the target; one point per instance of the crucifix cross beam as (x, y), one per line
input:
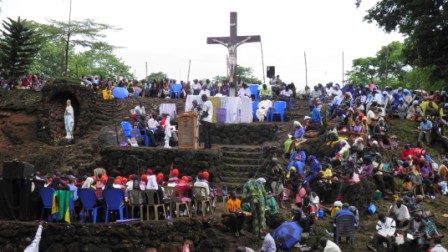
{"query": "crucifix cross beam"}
(232, 42)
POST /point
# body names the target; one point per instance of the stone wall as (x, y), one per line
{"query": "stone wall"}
(243, 133)
(128, 160)
(201, 235)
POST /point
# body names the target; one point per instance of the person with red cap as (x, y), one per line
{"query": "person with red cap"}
(144, 179)
(213, 193)
(185, 188)
(173, 177)
(202, 182)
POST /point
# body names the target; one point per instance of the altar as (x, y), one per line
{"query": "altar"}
(237, 109)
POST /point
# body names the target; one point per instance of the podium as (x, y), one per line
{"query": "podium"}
(188, 130)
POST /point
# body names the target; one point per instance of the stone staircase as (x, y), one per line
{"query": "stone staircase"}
(239, 163)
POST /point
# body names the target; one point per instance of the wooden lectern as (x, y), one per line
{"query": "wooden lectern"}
(188, 130)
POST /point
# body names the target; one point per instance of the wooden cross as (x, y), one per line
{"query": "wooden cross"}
(232, 42)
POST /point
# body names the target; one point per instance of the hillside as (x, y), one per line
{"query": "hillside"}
(23, 137)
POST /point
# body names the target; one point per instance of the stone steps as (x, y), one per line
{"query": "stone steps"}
(236, 180)
(252, 159)
(236, 148)
(235, 174)
(239, 154)
(231, 186)
(239, 168)
(238, 162)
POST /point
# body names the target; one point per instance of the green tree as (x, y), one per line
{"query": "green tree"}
(391, 63)
(69, 36)
(99, 61)
(364, 70)
(244, 75)
(423, 22)
(18, 46)
(156, 77)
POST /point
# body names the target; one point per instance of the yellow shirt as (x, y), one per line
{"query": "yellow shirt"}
(327, 173)
(233, 205)
(334, 211)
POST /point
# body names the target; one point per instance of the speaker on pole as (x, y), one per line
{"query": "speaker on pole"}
(270, 71)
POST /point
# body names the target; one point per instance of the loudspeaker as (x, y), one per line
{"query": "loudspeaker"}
(270, 71)
(17, 170)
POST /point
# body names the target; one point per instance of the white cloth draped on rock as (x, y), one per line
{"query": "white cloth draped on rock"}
(238, 110)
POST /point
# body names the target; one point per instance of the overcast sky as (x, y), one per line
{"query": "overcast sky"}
(168, 34)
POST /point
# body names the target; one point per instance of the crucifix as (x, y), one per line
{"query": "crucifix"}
(232, 42)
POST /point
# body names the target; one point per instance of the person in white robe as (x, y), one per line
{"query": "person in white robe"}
(263, 107)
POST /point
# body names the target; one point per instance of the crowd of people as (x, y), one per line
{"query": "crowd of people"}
(147, 180)
(30, 82)
(356, 120)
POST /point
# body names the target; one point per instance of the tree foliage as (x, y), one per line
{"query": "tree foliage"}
(244, 75)
(18, 46)
(424, 23)
(100, 61)
(157, 77)
(97, 58)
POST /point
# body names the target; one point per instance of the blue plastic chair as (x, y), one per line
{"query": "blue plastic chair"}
(141, 136)
(176, 89)
(254, 111)
(277, 108)
(127, 129)
(254, 91)
(88, 200)
(114, 199)
(46, 194)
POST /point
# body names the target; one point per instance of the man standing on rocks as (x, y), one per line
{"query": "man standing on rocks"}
(206, 121)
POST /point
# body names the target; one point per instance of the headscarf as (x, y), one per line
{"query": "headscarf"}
(88, 183)
(262, 180)
(297, 124)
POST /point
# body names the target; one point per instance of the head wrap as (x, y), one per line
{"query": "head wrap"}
(160, 178)
(174, 173)
(206, 175)
(297, 124)
(262, 180)
(337, 204)
(149, 171)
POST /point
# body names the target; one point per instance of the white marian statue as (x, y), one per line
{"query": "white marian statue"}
(69, 118)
